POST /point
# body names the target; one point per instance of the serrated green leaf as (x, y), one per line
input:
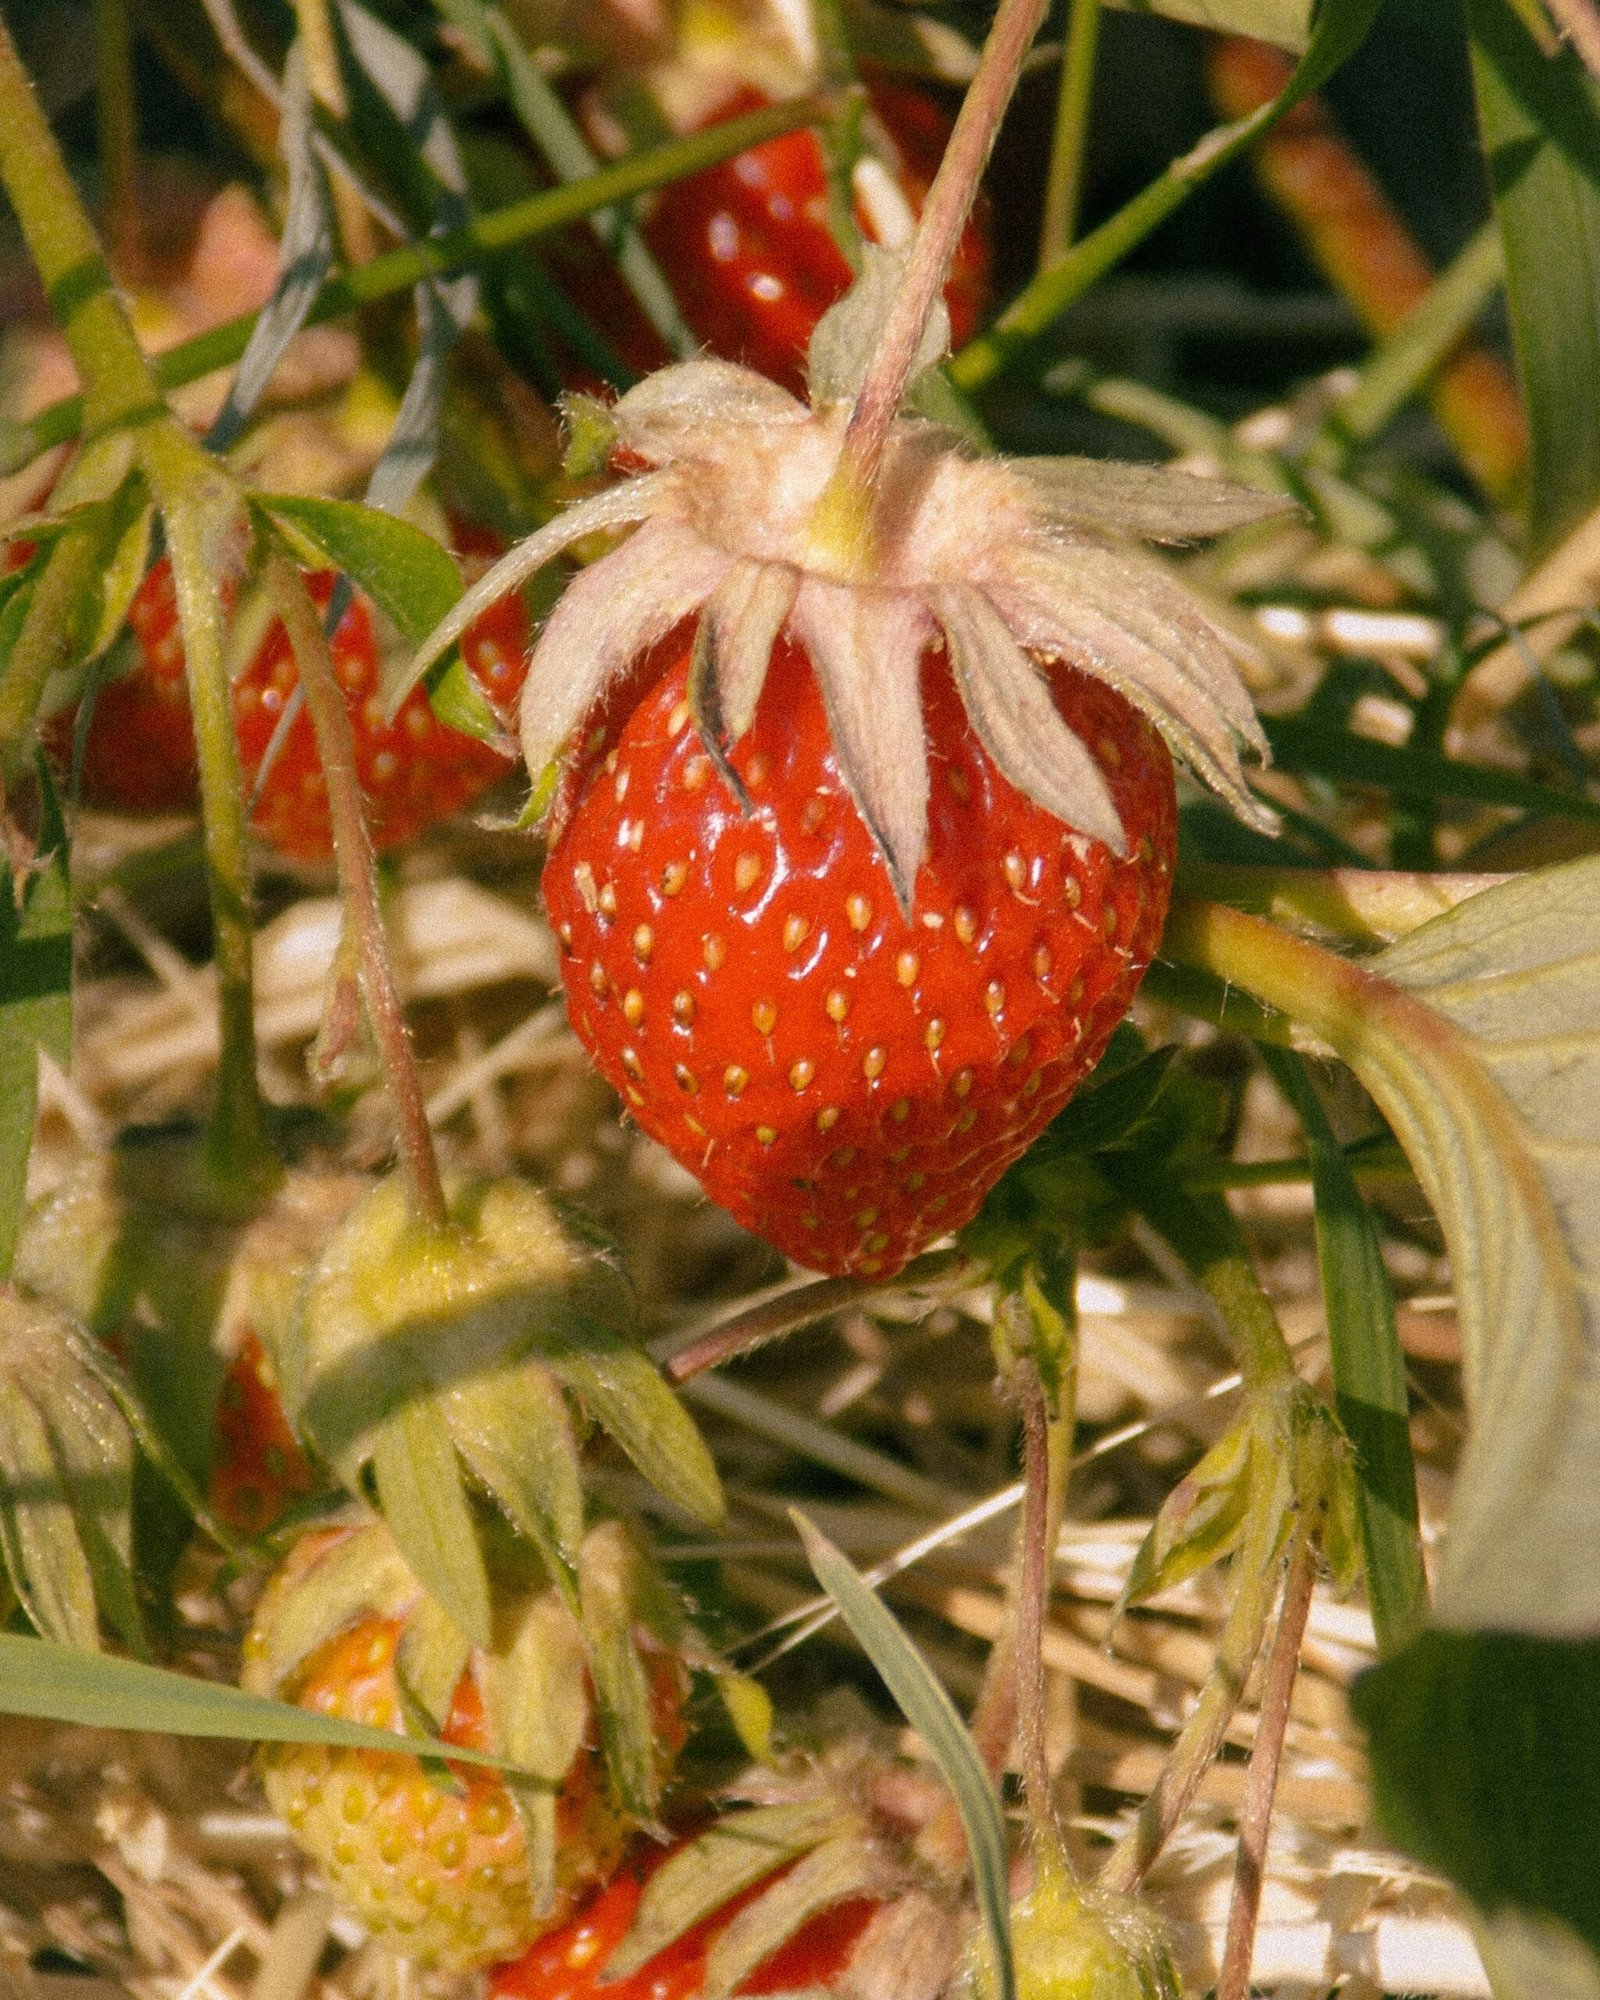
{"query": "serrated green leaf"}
(622, 1389)
(35, 1001)
(930, 1711)
(400, 568)
(1540, 120)
(425, 1505)
(1368, 1369)
(1486, 1764)
(54, 1683)
(514, 1430)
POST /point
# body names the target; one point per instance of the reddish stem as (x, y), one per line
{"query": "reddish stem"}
(358, 883)
(944, 216)
(1265, 1759)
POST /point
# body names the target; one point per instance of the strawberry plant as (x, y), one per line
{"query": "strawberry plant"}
(931, 1336)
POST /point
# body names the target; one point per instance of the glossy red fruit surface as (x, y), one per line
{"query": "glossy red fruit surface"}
(747, 248)
(847, 1083)
(569, 1964)
(139, 752)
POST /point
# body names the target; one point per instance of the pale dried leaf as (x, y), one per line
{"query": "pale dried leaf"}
(606, 617)
(1009, 705)
(866, 648)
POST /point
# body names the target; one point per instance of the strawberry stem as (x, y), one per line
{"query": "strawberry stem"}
(1265, 1758)
(944, 216)
(358, 883)
(1044, 1482)
(120, 390)
(1064, 185)
(1255, 1585)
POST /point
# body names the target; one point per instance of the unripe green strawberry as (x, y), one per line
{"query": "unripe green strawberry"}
(454, 1870)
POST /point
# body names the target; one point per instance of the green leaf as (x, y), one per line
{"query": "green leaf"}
(403, 570)
(1200, 1521)
(930, 1711)
(1486, 1764)
(515, 1433)
(1368, 1368)
(623, 1391)
(1540, 120)
(1493, 1088)
(55, 1683)
(420, 1491)
(35, 1001)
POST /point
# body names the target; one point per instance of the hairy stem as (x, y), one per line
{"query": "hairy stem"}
(358, 883)
(1255, 1582)
(1064, 187)
(1265, 1758)
(803, 1305)
(944, 216)
(1044, 1483)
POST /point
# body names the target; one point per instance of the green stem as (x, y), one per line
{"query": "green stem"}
(1064, 188)
(1255, 1581)
(116, 118)
(1200, 1227)
(1046, 1461)
(201, 515)
(118, 384)
(1337, 33)
(398, 270)
(1402, 363)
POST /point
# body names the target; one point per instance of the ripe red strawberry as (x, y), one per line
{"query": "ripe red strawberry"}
(139, 754)
(847, 981)
(439, 1865)
(847, 1082)
(747, 248)
(570, 1963)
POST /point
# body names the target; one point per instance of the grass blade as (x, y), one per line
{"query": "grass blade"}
(1368, 1368)
(930, 1711)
